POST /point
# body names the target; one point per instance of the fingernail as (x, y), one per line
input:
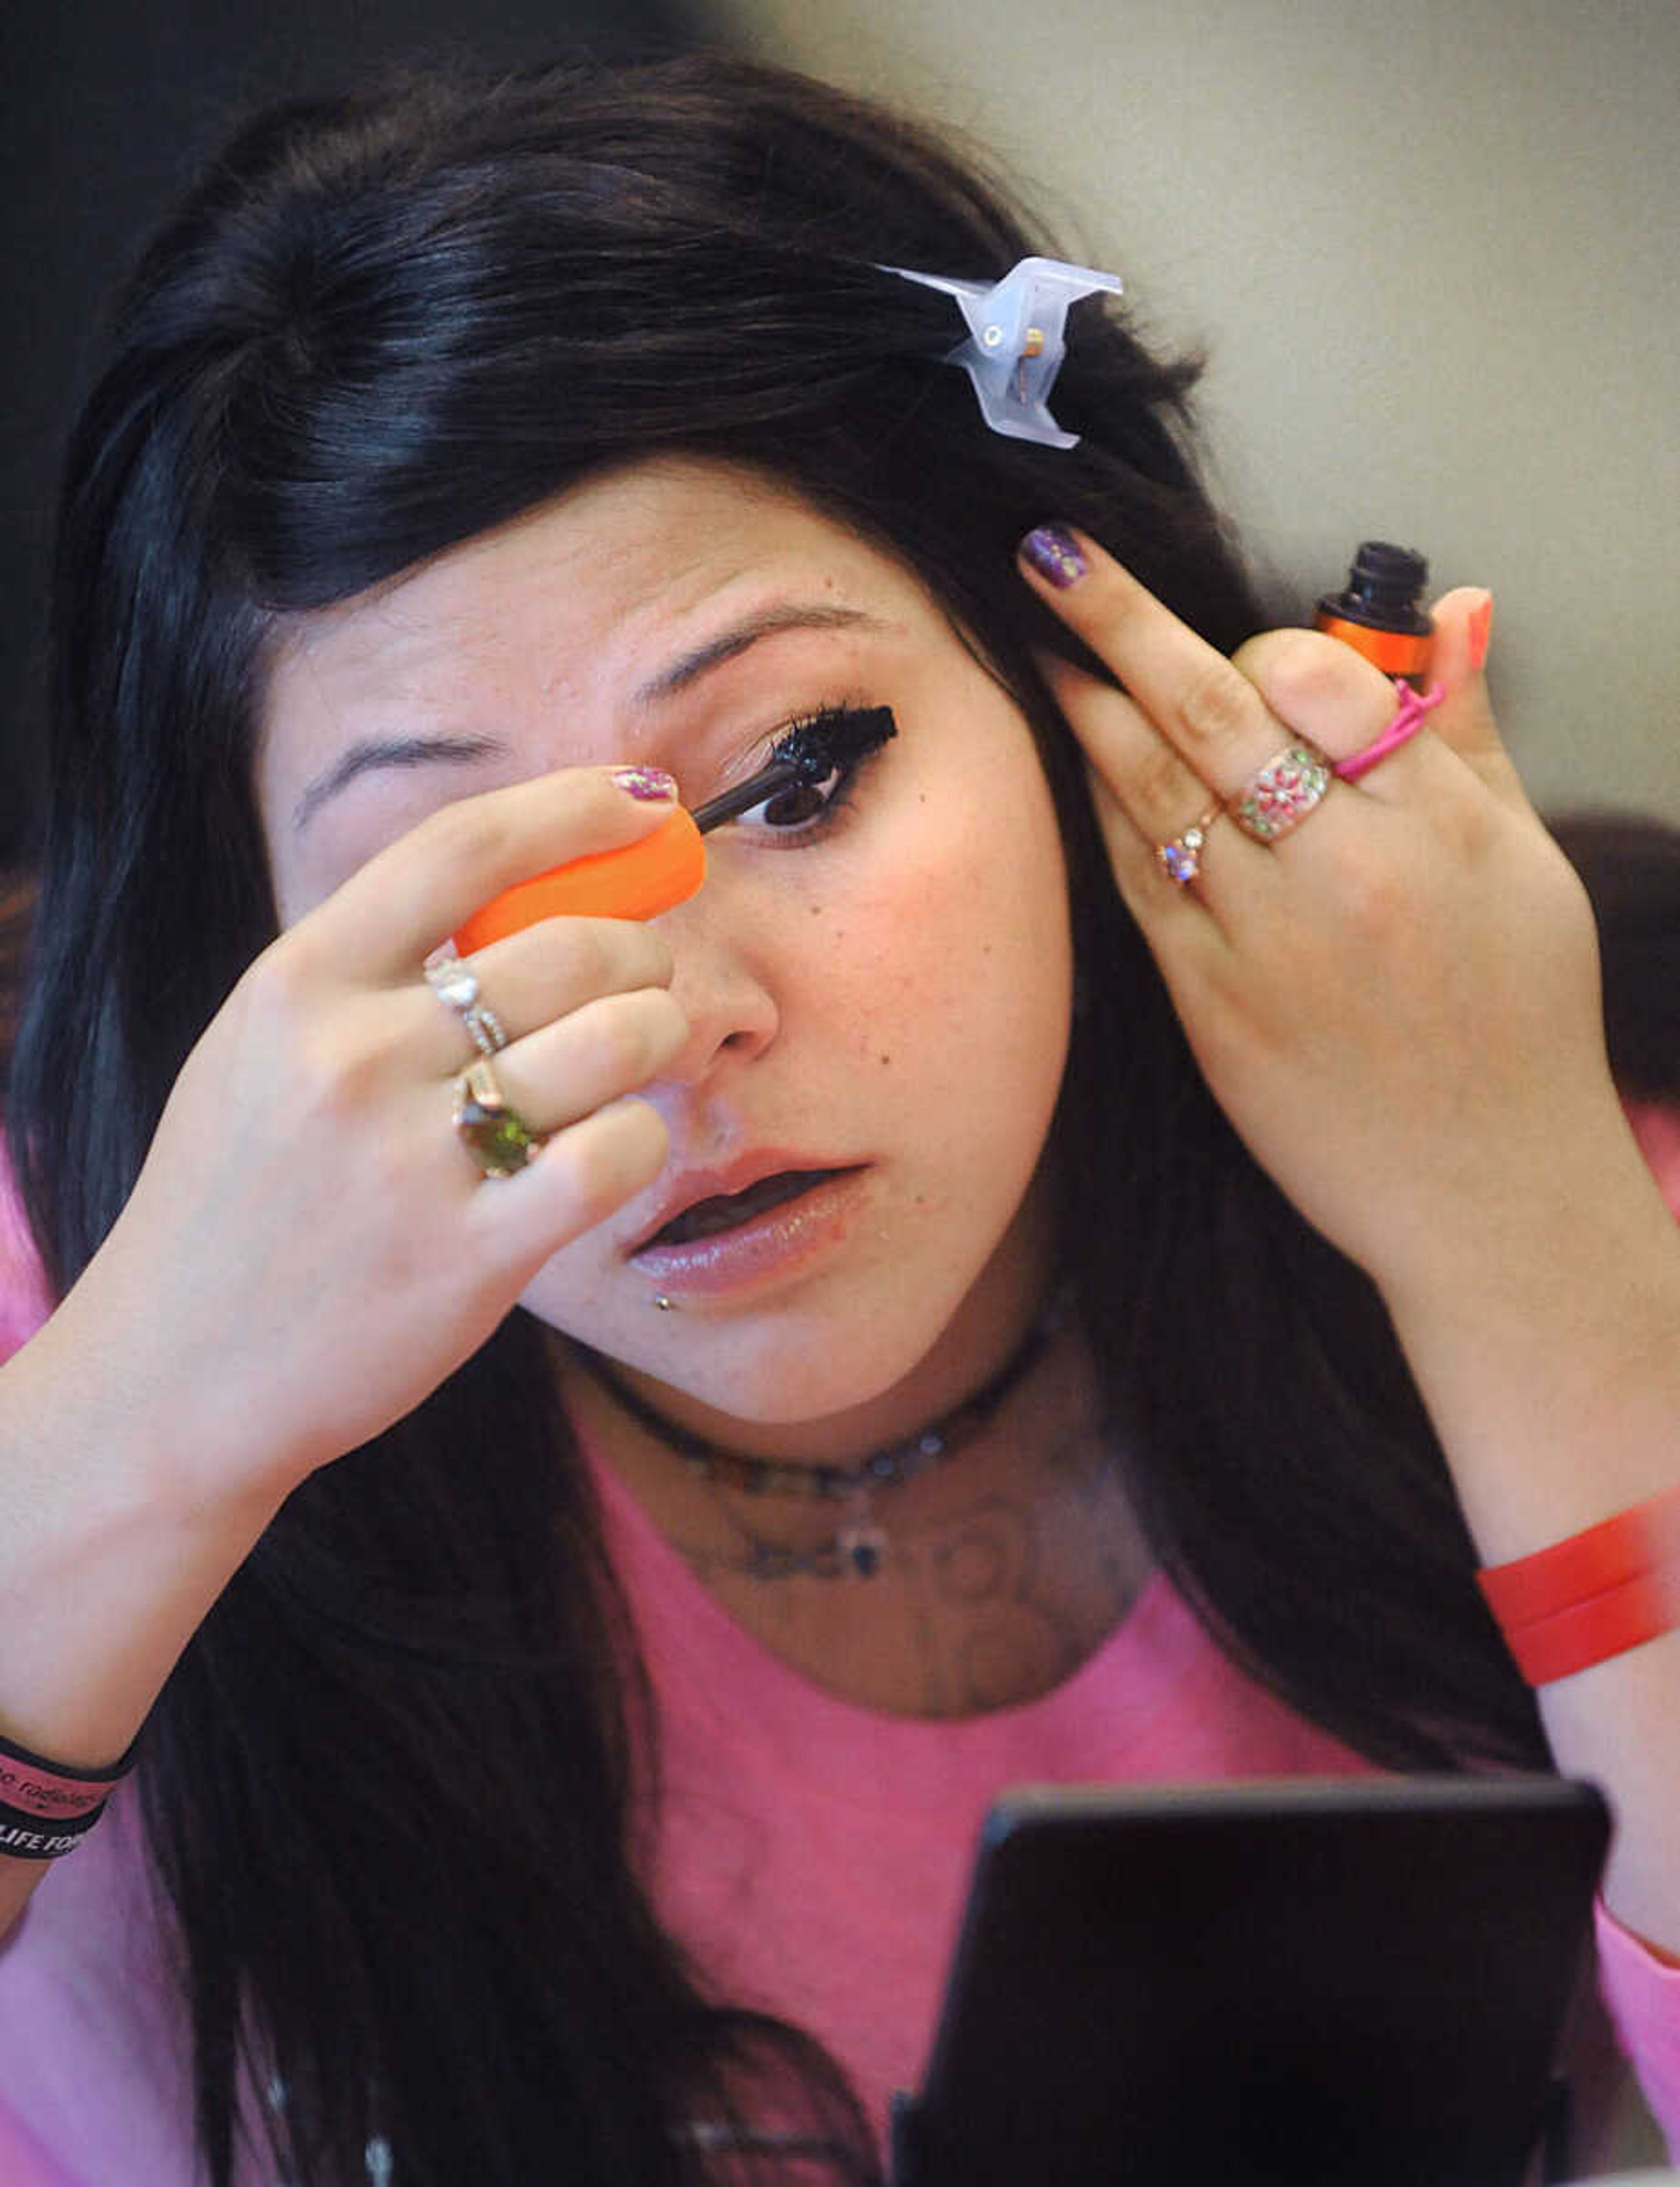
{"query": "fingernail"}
(1481, 633)
(1054, 553)
(652, 784)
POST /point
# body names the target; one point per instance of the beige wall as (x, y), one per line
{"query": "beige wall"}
(1434, 247)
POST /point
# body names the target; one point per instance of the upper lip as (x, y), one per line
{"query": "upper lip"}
(691, 1186)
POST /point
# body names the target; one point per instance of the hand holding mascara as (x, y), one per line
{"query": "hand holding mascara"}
(666, 867)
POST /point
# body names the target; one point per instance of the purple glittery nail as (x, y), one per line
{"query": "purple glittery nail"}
(1054, 553)
(652, 784)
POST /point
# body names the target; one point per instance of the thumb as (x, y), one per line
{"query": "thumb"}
(1463, 622)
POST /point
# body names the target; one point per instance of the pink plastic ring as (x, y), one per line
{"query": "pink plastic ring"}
(1408, 719)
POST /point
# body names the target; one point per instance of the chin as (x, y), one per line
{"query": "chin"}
(787, 1367)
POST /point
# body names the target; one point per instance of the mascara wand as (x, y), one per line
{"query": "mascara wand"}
(666, 867)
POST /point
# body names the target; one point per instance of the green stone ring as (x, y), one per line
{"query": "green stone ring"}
(496, 1137)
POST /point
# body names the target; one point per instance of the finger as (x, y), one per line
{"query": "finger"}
(1321, 687)
(1207, 709)
(1146, 796)
(1209, 715)
(582, 1174)
(1213, 711)
(1333, 696)
(611, 1047)
(1180, 920)
(537, 976)
(393, 911)
(1463, 622)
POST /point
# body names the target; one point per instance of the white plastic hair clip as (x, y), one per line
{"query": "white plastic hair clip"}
(1016, 344)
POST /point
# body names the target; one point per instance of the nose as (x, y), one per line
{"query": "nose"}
(723, 987)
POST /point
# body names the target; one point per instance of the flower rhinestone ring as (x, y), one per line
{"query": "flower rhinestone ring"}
(1280, 795)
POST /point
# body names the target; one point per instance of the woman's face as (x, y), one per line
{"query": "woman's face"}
(881, 996)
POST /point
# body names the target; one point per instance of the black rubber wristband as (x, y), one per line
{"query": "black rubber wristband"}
(36, 1837)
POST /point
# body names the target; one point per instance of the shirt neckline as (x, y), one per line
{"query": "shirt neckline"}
(718, 1682)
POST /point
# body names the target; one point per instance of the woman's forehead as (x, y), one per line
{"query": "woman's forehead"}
(635, 559)
(606, 605)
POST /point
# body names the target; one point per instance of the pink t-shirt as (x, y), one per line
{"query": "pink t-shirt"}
(812, 1854)
(817, 1853)
(821, 1850)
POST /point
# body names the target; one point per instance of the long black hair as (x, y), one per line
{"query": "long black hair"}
(379, 327)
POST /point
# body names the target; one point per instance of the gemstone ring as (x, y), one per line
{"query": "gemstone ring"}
(1182, 858)
(496, 1136)
(1281, 794)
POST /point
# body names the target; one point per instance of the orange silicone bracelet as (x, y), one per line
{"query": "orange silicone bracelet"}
(1584, 1565)
(1641, 1609)
(643, 879)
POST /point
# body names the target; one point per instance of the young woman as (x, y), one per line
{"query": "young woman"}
(1187, 1282)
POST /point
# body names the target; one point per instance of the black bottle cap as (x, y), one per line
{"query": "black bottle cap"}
(1384, 590)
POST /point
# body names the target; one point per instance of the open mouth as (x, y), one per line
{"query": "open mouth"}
(729, 1210)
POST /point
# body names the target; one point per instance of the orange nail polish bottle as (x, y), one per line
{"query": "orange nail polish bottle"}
(1379, 611)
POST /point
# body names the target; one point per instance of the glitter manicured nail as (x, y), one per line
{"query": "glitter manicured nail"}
(652, 784)
(1054, 553)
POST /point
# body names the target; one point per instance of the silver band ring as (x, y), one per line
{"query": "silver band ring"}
(1279, 796)
(454, 981)
(1182, 858)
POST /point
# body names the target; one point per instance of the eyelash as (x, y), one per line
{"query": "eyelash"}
(844, 777)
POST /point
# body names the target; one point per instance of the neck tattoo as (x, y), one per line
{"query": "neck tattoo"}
(855, 1549)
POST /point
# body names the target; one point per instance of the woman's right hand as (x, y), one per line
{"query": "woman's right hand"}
(311, 1249)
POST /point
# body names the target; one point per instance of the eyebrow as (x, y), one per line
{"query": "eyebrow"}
(729, 644)
(368, 754)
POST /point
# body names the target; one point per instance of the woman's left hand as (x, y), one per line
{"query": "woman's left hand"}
(1397, 1004)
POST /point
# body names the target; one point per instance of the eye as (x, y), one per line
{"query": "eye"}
(804, 809)
(802, 803)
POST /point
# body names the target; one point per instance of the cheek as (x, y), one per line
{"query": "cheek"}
(953, 974)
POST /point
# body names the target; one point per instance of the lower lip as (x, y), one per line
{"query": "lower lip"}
(773, 1245)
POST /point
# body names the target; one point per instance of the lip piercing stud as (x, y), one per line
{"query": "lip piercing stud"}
(663, 1304)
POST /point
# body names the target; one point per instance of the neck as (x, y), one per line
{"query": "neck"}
(700, 1476)
(933, 1441)
(994, 1576)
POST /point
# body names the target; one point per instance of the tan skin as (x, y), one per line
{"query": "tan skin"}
(1397, 1007)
